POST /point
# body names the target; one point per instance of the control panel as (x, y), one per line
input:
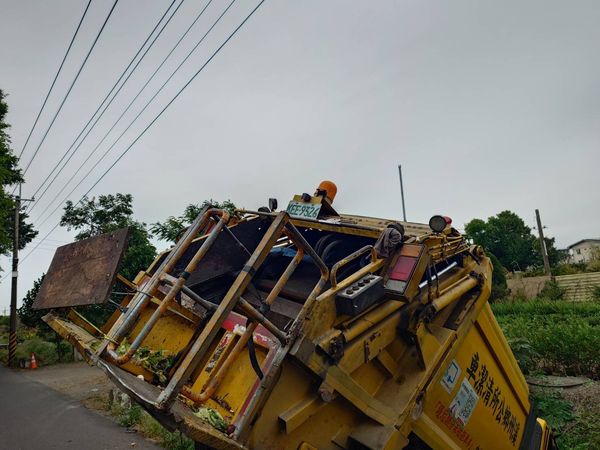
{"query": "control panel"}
(360, 295)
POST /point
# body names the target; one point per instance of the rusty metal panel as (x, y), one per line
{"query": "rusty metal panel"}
(83, 273)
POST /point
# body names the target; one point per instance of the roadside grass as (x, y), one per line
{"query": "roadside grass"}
(574, 430)
(46, 353)
(553, 337)
(31, 340)
(134, 417)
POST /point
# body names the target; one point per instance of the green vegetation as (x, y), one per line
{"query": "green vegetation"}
(102, 215)
(552, 291)
(134, 417)
(574, 430)
(171, 229)
(109, 213)
(212, 417)
(10, 175)
(29, 316)
(499, 285)
(47, 347)
(96, 216)
(558, 338)
(158, 362)
(566, 268)
(45, 352)
(511, 241)
(553, 337)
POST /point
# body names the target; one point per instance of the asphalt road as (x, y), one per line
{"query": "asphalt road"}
(33, 416)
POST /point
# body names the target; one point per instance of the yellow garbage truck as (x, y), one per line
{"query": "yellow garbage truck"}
(303, 329)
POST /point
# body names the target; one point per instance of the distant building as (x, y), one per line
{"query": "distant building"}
(583, 251)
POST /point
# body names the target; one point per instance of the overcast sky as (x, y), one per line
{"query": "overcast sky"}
(487, 105)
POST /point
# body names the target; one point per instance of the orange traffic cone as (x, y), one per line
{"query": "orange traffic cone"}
(33, 363)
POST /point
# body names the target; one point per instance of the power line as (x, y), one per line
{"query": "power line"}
(71, 86)
(129, 106)
(104, 101)
(231, 35)
(53, 241)
(121, 116)
(56, 77)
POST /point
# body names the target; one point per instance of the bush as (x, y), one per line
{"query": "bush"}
(131, 416)
(573, 431)
(65, 351)
(499, 286)
(553, 337)
(552, 291)
(568, 269)
(45, 352)
(135, 417)
(554, 409)
(525, 354)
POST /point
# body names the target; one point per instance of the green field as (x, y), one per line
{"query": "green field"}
(553, 337)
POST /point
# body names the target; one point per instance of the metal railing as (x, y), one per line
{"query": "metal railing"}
(143, 297)
(280, 227)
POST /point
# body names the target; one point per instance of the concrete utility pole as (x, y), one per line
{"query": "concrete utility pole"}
(542, 242)
(12, 335)
(402, 192)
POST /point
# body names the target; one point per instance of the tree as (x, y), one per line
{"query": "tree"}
(511, 241)
(103, 215)
(499, 285)
(553, 253)
(30, 317)
(593, 265)
(10, 175)
(93, 217)
(171, 229)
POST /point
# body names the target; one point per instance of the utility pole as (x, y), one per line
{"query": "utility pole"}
(12, 336)
(542, 242)
(402, 192)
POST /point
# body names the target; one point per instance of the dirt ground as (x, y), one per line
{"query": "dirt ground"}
(581, 392)
(585, 398)
(77, 380)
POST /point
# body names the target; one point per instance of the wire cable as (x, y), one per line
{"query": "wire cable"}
(233, 33)
(139, 113)
(104, 101)
(71, 87)
(56, 77)
(122, 114)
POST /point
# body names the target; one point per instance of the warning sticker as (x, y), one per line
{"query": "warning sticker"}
(450, 376)
(464, 403)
